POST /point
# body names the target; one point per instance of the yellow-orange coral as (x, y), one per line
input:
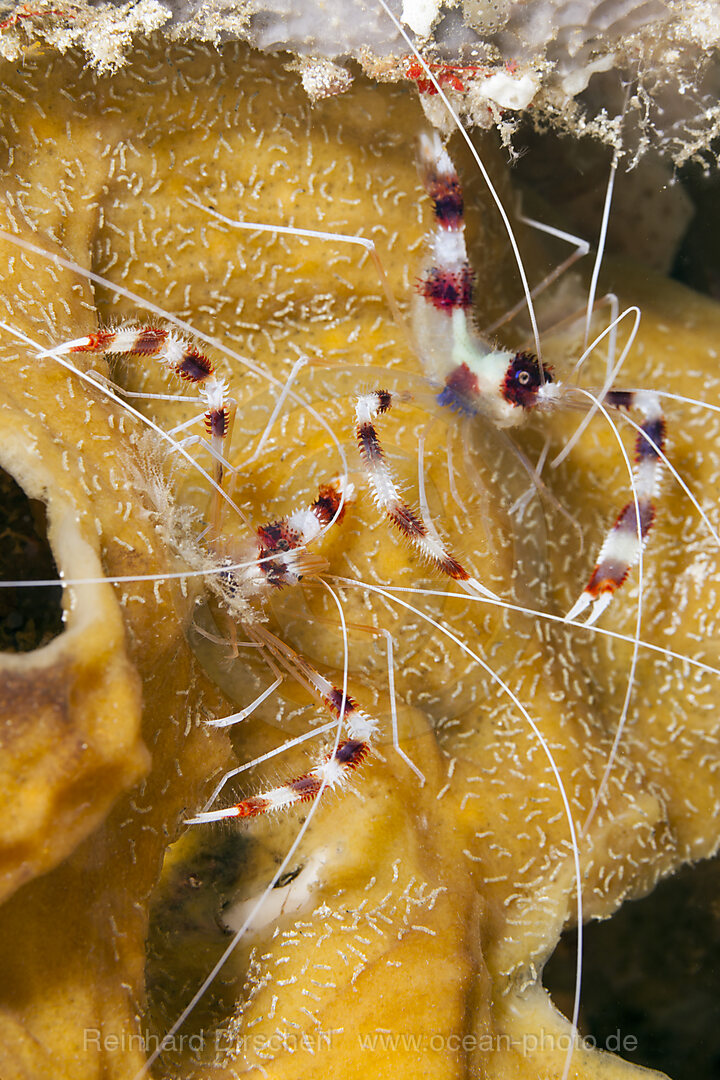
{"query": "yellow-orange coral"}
(417, 911)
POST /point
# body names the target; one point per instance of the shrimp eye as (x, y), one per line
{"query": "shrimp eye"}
(523, 379)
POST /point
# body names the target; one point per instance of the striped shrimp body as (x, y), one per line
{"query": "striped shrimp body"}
(502, 386)
(479, 862)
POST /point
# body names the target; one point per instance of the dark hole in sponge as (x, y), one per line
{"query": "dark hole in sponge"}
(651, 978)
(29, 616)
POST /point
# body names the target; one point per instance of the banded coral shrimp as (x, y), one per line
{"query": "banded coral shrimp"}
(387, 854)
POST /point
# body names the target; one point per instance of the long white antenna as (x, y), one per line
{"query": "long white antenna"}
(601, 247)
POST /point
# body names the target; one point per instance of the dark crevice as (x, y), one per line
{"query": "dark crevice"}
(697, 262)
(29, 616)
(570, 176)
(651, 977)
(187, 933)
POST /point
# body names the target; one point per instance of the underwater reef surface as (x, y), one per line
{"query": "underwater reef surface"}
(425, 913)
(569, 66)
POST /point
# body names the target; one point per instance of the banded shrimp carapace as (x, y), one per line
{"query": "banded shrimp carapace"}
(393, 877)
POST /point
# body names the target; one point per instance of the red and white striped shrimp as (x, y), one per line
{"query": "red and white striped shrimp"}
(474, 643)
(501, 386)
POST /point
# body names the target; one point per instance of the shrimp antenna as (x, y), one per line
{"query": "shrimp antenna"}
(602, 238)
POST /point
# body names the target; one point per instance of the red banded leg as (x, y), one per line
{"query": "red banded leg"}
(282, 558)
(626, 538)
(407, 521)
(182, 358)
(335, 768)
